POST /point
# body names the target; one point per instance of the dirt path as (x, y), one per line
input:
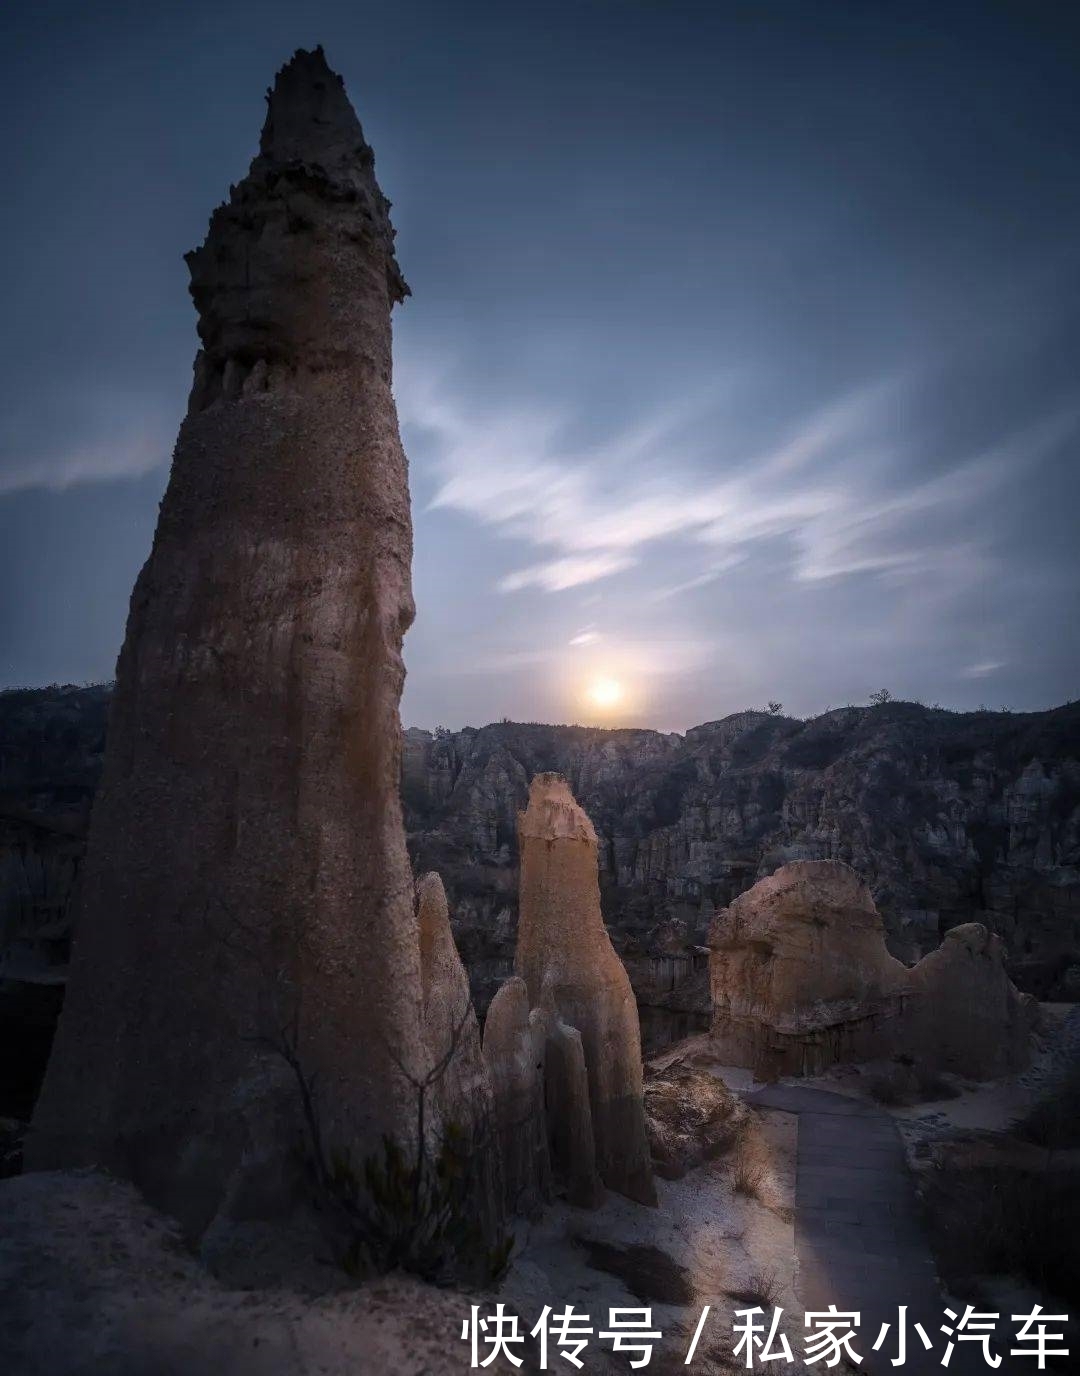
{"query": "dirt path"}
(858, 1239)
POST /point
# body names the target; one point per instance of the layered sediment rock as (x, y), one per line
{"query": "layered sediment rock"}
(950, 817)
(801, 980)
(515, 1045)
(246, 880)
(566, 958)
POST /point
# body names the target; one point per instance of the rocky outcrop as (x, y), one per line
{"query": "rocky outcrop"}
(691, 1116)
(246, 878)
(950, 817)
(802, 980)
(800, 975)
(567, 961)
(966, 1014)
(52, 741)
(515, 1045)
(454, 1056)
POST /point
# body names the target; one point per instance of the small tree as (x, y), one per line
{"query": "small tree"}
(881, 697)
(775, 709)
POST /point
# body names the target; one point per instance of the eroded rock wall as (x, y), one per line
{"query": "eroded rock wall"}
(950, 817)
(801, 980)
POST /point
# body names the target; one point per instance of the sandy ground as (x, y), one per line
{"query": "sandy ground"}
(722, 1240)
(94, 1281)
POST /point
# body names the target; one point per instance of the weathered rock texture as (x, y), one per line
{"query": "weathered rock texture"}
(691, 1116)
(569, 1116)
(460, 1092)
(515, 1043)
(968, 1016)
(566, 958)
(801, 980)
(246, 874)
(950, 817)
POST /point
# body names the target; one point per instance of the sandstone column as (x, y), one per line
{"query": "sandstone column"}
(565, 955)
(246, 880)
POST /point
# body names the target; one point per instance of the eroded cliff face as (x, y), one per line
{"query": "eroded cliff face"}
(52, 742)
(801, 980)
(246, 881)
(950, 818)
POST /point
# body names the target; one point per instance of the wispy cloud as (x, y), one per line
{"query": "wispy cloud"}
(95, 436)
(559, 574)
(837, 491)
(983, 669)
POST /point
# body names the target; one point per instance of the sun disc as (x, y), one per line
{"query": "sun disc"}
(605, 692)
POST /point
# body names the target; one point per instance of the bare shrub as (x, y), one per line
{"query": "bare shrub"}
(761, 1288)
(933, 1087)
(889, 1087)
(420, 1210)
(747, 1173)
(1055, 1122)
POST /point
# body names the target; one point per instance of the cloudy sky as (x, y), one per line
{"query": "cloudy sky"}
(741, 362)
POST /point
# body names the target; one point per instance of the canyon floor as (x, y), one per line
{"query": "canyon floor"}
(815, 1204)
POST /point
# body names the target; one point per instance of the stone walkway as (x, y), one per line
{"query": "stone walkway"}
(858, 1237)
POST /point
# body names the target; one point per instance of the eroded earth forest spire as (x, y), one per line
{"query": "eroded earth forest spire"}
(247, 906)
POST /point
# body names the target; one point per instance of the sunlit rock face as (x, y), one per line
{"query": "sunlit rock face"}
(566, 958)
(801, 980)
(246, 881)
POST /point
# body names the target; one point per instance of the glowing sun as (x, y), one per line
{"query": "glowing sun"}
(605, 692)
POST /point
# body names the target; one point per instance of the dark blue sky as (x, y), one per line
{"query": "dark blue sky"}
(741, 361)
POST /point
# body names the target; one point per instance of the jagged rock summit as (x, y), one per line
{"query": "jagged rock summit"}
(246, 886)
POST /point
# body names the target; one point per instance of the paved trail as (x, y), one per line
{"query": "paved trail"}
(857, 1232)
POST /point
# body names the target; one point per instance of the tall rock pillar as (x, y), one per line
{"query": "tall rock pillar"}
(246, 885)
(566, 958)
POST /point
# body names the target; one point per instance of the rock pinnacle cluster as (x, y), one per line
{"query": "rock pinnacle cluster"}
(571, 971)
(247, 897)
